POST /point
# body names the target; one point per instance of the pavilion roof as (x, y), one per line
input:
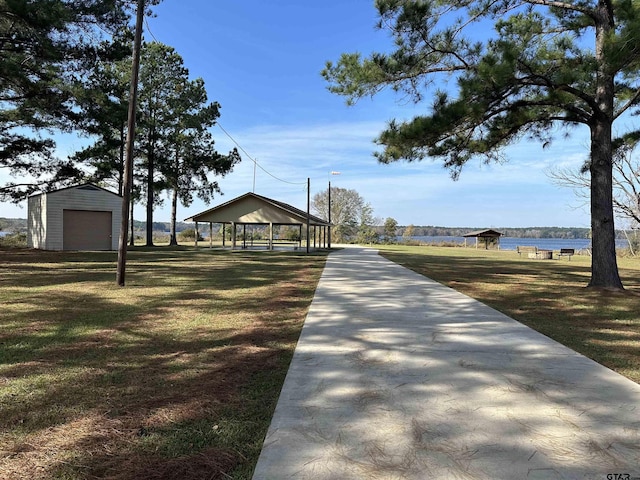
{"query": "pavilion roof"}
(252, 208)
(483, 233)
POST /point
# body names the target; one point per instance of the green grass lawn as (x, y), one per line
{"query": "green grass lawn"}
(547, 295)
(174, 376)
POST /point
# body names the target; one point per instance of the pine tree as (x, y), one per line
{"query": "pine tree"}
(46, 48)
(547, 64)
(178, 149)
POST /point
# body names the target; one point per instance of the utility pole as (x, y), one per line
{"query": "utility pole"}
(128, 163)
(255, 164)
(308, 209)
(329, 227)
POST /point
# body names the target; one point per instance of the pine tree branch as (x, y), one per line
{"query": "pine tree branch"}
(563, 6)
(630, 103)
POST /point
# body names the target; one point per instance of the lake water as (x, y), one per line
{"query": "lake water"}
(510, 243)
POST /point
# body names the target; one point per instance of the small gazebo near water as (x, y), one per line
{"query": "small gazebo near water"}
(252, 209)
(489, 238)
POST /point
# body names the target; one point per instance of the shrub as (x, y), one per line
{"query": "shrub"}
(189, 235)
(412, 243)
(633, 249)
(290, 233)
(14, 240)
(160, 237)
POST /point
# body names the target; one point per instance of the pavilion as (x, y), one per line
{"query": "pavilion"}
(254, 209)
(488, 237)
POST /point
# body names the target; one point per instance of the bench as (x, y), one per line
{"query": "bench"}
(535, 252)
(268, 245)
(530, 251)
(566, 252)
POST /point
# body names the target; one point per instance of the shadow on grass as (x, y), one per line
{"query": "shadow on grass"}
(174, 376)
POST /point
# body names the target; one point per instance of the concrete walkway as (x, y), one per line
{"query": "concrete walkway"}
(398, 377)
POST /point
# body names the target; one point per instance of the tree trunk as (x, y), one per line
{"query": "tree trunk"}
(604, 265)
(132, 239)
(173, 240)
(174, 209)
(121, 161)
(150, 194)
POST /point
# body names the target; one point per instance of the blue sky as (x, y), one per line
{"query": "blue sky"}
(262, 60)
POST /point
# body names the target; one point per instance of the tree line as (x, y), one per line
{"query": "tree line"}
(66, 68)
(375, 229)
(529, 232)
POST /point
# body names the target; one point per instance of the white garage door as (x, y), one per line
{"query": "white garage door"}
(86, 230)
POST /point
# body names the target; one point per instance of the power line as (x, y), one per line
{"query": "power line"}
(255, 162)
(146, 22)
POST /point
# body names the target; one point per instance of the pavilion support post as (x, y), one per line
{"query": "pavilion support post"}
(224, 235)
(195, 241)
(233, 235)
(244, 236)
(270, 236)
(308, 211)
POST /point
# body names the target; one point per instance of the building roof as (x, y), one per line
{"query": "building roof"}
(83, 186)
(252, 208)
(483, 233)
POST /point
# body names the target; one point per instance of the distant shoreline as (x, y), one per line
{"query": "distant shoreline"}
(511, 243)
(11, 225)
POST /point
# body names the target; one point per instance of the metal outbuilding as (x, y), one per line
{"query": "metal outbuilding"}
(83, 217)
(254, 209)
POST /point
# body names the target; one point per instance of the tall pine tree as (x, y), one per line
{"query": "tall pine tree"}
(46, 47)
(161, 73)
(547, 64)
(103, 99)
(176, 148)
(193, 158)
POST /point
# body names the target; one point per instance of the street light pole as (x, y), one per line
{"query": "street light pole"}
(329, 209)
